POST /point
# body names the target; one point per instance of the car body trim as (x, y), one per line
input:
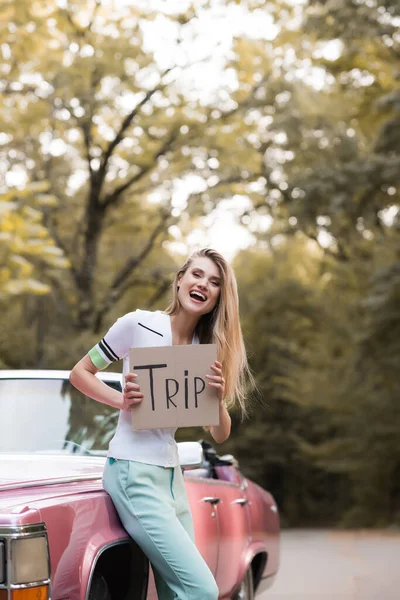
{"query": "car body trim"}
(23, 530)
(52, 374)
(42, 482)
(210, 481)
(20, 586)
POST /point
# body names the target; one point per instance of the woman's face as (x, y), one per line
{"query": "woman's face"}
(200, 286)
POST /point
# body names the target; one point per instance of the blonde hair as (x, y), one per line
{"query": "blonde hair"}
(222, 327)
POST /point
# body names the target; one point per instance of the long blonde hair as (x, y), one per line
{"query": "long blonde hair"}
(222, 327)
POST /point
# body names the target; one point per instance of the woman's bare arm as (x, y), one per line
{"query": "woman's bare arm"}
(222, 431)
(83, 377)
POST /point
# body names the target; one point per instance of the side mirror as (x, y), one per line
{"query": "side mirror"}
(190, 454)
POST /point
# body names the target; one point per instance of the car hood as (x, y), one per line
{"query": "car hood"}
(26, 481)
(19, 470)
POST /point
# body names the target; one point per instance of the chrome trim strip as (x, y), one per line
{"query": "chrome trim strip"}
(2, 561)
(23, 530)
(20, 586)
(8, 559)
(96, 558)
(51, 374)
(41, 482)
(244, 485)
(210, 481)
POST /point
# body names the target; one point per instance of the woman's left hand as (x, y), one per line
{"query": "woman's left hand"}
(217, 380)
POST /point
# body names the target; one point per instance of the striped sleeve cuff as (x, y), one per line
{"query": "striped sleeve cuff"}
(102, 355)
(97, 358)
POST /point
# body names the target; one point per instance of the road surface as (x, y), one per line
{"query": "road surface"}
(338, 565)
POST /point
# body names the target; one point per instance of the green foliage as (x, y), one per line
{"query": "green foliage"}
(295, 345)
(26, 247)
(324, 427)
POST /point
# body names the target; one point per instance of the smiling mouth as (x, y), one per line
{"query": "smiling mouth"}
(198, 296)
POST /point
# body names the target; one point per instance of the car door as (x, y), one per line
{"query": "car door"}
(234, 534)
(203, 504)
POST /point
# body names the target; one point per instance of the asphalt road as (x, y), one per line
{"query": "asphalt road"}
(337, 565)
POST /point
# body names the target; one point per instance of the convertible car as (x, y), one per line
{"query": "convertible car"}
(60, 537)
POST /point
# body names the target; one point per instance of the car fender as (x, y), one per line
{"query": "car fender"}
(124, 567)
(79, 528)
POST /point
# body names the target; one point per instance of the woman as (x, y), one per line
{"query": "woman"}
(142, 473)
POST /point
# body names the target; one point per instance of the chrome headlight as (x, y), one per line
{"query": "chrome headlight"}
(2, 563)
(24, 563)
(29, 560)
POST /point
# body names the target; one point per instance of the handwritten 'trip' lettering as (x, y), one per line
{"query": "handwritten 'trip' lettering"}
(199, 385)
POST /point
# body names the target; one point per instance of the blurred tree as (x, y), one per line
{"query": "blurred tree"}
(31, 265)
(26, 247)
(87, 106)
(371, 450)
(361, 213)
(331, 171)
(298, 343)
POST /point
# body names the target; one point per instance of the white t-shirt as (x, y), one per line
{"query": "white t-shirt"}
(139, 329)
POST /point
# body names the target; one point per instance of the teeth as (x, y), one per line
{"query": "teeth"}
(198, 295)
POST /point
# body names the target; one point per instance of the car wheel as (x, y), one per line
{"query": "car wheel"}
(99, 588)
(246, 589)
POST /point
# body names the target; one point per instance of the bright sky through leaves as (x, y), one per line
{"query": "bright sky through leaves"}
(207, 43)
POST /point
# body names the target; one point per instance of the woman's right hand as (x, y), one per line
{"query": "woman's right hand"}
(131, 393)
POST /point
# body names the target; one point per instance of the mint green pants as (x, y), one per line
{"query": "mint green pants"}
(152, 504)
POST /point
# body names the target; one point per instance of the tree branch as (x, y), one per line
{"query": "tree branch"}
(86, 124)
(228, 180)
(79, 32)
(50, 224)
(162, 287)
(340, 254)
(62, 246)
(120, 283)
(26, 89)
(87, 141)
(245, 103)
(135, 261)
(125, 124)
(113, 197)
(367, 197)
(95, 10)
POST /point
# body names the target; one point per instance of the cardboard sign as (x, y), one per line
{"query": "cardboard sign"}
(174, 384)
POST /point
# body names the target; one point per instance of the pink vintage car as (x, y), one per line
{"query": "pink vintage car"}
(60, 536)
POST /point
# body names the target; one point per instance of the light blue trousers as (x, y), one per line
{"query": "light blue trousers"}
(152, 504)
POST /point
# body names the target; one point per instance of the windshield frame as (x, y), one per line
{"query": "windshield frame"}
(71, 444)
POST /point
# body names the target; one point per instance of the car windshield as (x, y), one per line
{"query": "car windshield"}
(51, 416)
